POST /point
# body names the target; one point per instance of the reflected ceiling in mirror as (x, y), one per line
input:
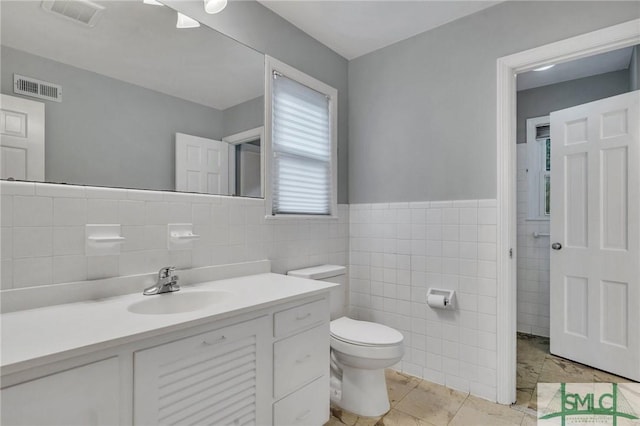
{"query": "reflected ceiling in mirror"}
(130, 81)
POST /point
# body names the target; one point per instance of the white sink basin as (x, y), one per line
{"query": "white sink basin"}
(178, 302)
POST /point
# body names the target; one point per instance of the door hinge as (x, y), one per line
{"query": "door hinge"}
(510, 253)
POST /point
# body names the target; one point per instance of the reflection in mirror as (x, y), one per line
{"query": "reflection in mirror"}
(246, 162)
(123, 92)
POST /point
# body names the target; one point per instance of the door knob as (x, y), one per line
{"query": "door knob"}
(556, 246)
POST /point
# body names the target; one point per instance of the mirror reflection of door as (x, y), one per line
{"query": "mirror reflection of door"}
(21, 139)
(201, 165)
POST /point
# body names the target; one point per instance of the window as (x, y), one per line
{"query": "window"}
(539, 168)
(301, 144)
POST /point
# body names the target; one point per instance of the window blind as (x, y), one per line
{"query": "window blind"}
(301, 146)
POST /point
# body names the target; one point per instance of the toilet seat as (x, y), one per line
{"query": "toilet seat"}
(364, 333)
(365, 340)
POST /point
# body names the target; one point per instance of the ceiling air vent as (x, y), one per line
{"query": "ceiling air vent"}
(28, 86)
(81, 11)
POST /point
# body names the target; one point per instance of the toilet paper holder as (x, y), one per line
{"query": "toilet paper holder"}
(442, 298)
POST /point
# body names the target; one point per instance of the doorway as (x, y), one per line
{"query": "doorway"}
(544, 91)
(601, 41)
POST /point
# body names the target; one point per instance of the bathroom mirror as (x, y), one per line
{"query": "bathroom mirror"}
(130, 100)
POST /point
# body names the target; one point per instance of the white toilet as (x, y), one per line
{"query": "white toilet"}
(360, 350)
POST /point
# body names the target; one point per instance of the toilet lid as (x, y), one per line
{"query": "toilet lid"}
(364, 332)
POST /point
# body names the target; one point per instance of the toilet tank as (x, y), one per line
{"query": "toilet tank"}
(333, 274)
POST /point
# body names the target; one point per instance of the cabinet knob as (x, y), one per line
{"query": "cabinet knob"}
(213, 342)
(556, 246)
(300, 317)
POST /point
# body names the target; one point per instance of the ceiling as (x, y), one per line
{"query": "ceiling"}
(140, 44)
(354, 28)
(615, 60)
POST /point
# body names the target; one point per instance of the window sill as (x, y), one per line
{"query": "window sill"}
(538, 219)
(301, 217)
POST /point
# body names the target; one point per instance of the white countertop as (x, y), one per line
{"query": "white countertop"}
(39, 336)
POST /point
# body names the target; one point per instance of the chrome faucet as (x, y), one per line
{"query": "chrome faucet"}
(167, 282)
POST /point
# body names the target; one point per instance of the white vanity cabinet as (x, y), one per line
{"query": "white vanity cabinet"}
(264, 366)
(218, 377)
(83, 396)
(301, 365)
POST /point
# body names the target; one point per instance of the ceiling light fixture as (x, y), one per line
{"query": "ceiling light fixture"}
(546, 67)
(152, 2)
(214, 6)
(185, 22)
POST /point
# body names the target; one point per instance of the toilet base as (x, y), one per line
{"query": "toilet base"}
(364, 392)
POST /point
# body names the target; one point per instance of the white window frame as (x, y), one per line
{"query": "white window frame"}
(271, 65)
(536, 170)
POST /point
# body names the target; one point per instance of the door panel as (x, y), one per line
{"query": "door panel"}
(595, 274)
(577, 198)
(614, 180)
(576, 305)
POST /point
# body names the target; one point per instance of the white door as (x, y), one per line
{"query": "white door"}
(595, 231)
(21, 139)
(202, 165)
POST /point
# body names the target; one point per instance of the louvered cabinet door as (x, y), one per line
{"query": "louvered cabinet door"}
(221, 377)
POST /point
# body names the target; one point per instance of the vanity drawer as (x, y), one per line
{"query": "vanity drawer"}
(308, 406)
(299, 359)
(294, 319)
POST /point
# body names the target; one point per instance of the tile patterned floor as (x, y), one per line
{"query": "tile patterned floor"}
(416, 402)
(537, 365)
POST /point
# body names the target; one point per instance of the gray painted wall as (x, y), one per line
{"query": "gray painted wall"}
(634, 69)
(259, 28)
(422, 112)
(101, 118)
(543, 100)
(245, 116)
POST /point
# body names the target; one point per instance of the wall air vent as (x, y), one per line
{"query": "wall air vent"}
(543, 131)
(83, 12)
(28, 86)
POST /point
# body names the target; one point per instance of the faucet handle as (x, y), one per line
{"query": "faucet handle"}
(166, 272)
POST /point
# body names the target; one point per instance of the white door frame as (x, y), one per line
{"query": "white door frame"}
(239, 138)
(593, 43)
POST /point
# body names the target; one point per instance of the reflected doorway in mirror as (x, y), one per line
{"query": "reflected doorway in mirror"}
(246, 163)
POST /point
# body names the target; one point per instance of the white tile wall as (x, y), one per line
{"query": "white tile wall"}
(43, 236)
(533, 261)
(397, 251)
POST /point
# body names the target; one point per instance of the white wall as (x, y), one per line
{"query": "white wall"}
(533, 260)
(422, 112)
(398, 251)
(43, 233)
